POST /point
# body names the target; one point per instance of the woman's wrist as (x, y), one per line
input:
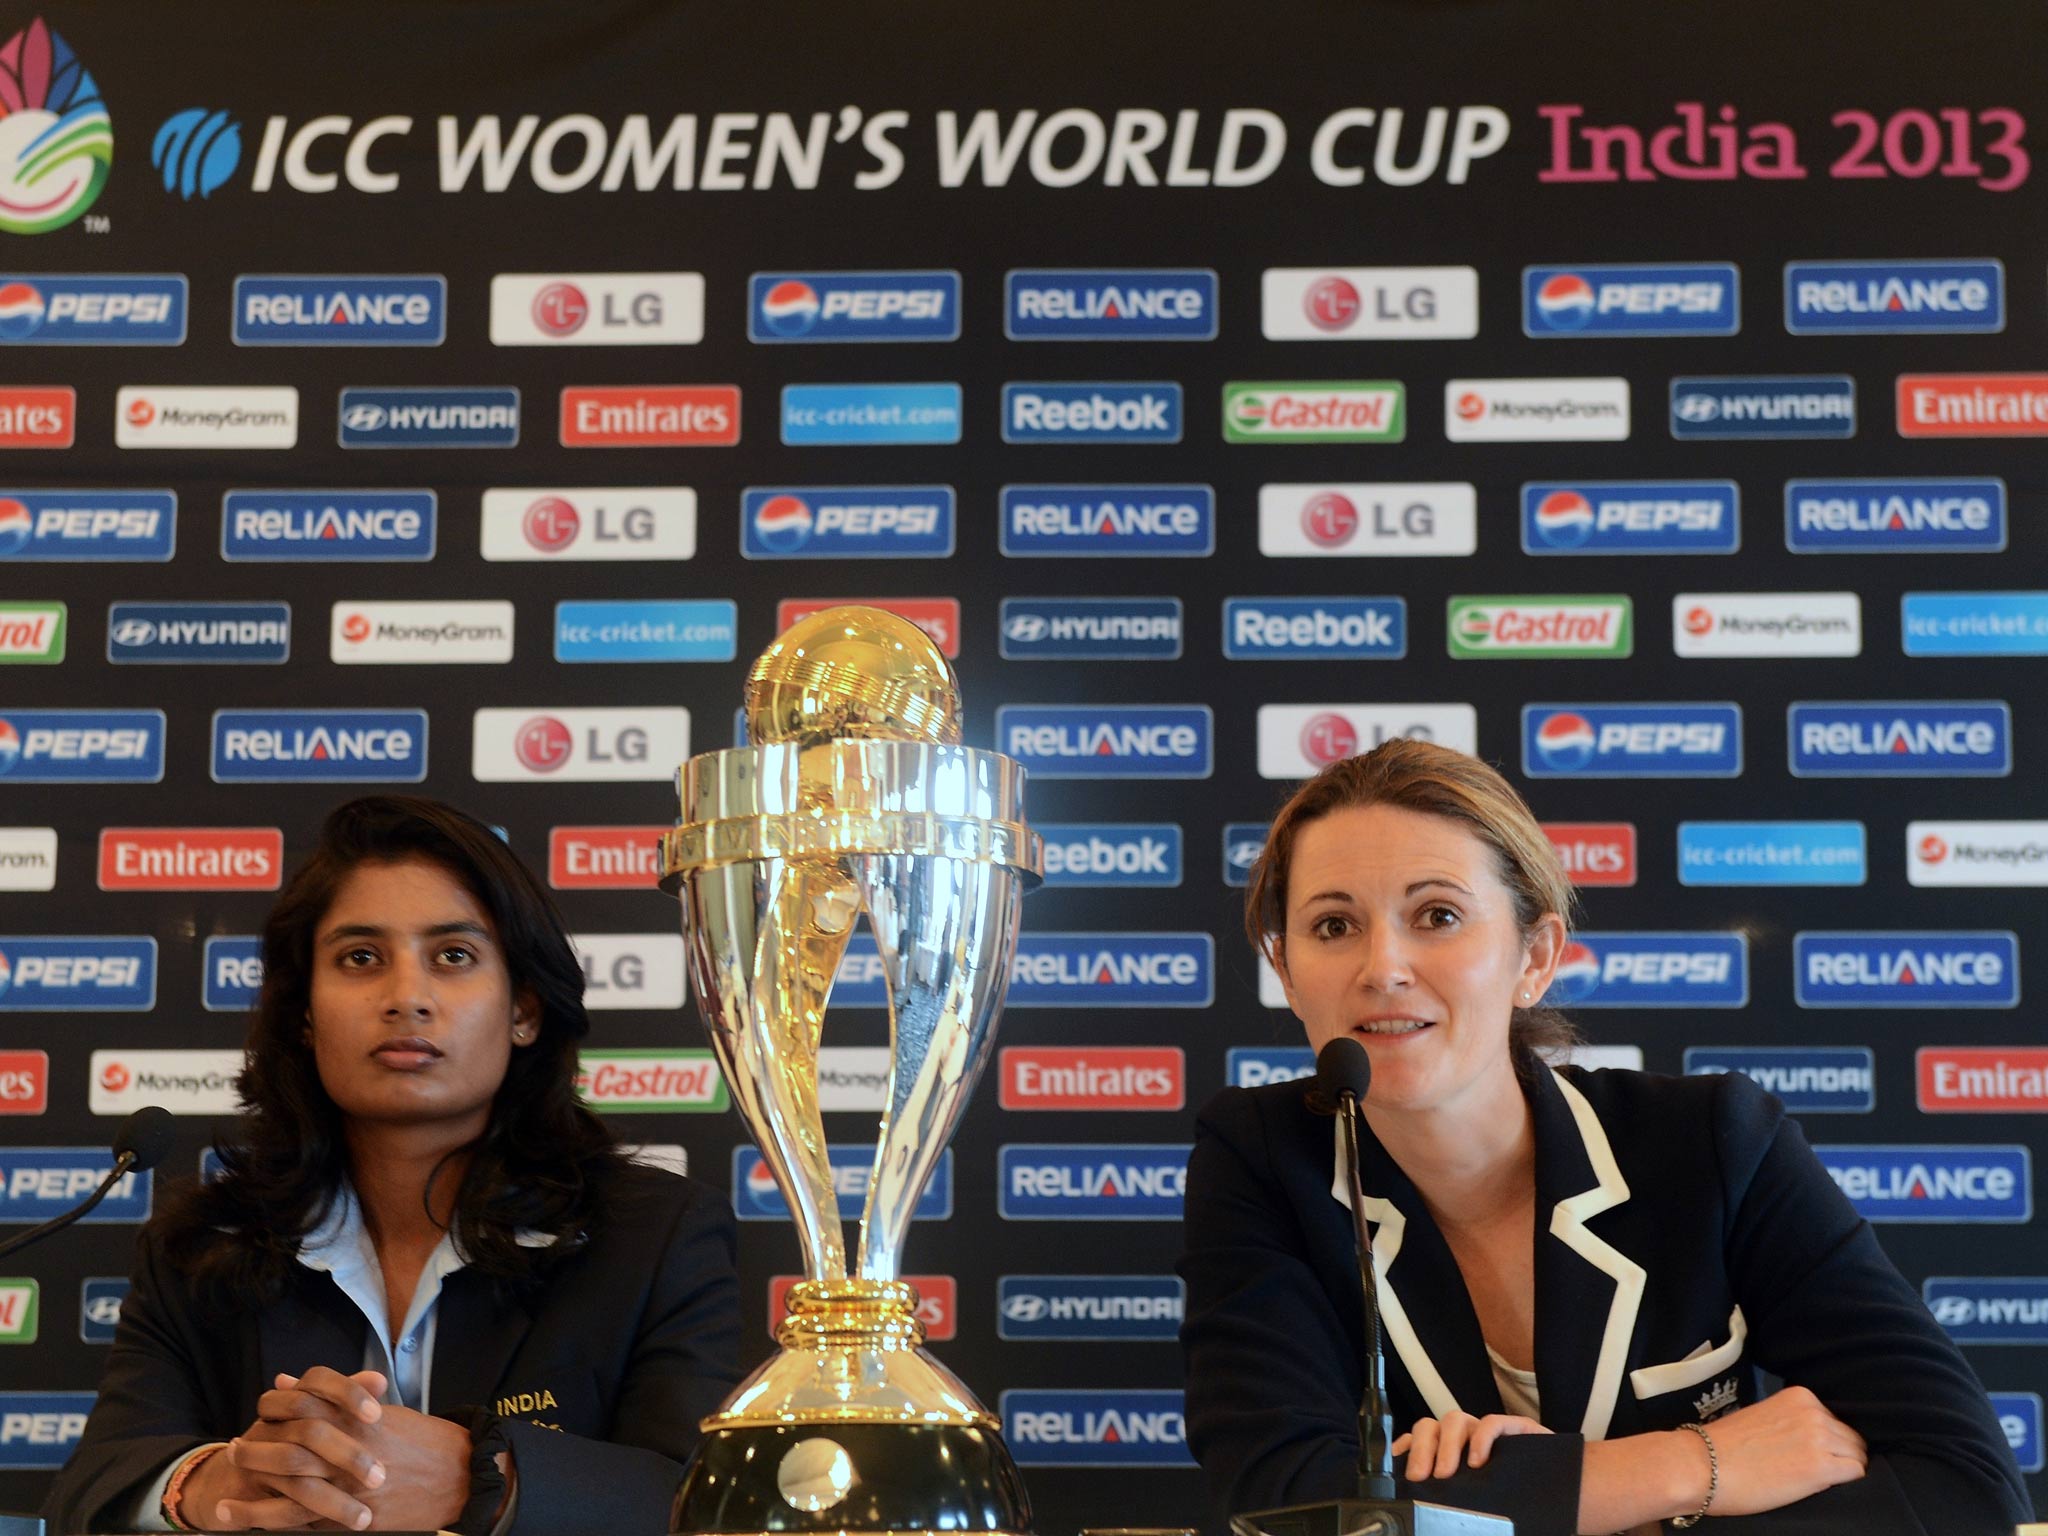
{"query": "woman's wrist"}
(1689, 1473)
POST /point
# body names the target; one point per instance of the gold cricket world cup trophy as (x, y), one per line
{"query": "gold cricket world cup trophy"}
(855, 797)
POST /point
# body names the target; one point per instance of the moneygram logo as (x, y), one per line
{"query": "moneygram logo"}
(24, 1082)
(1091, 1182)
(1315, 628)
(28, 858)
(183, 1082)
(1619, 517)
(595, 523)
(1369, 303)
(1074, 628)
(1160, 741)
(341, 311)
(578, 745)
(1989, 1079)
(118, 309)
(324, 746)
(430, 417)
(1142, 521)
(1934, 1184)
(327, 525)
(1080, 1308)
(1966, 739)
(1536, 410)
(597, 309)
(651, 1082)
(756, 1197)
(1980, 853)
(1334, 411)
(826, 415)
(1375, 519)
(1972, 404)
(853, 306)
(651, 416)
(938, 617)
(1118, 1428)
(1481, 628)
(1092, 1077)
(114, 974)
(439, 633)
(191, 858)
(1091, 413)
(1297, 741)
(846, 522)
(1652, 970)
(1772, 853)
(1906, 970)
(1119, 304)
(1809, 1079)
(1595, 852)
(87, 525)
(1112, 853)
(38, 416)
(56, 140)
(1828, 298)
(1974, 623)
(1767, 624)
(1629, 741)
(1702, 299)
(32, 633)
(187, 416)
(1777, 406)
(198, 633)
(604, 858)
(1884, 516)
(54, 746)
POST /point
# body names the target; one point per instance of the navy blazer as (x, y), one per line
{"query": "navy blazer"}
(1686, 1237)
(601, 1376)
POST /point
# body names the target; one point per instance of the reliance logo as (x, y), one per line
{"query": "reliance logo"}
(1095, 1429)
(1906, 970)
(1091, 1182)
(1934, 1184)
(1144, 741)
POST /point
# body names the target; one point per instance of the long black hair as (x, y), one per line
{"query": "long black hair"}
(543, 1162)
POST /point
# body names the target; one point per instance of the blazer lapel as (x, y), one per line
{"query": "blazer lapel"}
(1587, 1291)
(313, 1323)
(1425, 1312)
(476, 1333)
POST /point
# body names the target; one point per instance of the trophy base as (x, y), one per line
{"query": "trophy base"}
(876, 1479)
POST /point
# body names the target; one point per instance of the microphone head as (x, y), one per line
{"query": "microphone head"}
(147, 1134)
(1343, 1067)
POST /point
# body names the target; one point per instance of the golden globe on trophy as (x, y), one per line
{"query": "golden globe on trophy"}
(854, 797)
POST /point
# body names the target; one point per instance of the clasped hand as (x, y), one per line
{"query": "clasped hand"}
(325, 1453)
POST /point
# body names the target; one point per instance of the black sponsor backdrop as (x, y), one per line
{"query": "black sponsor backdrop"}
(1302, 61)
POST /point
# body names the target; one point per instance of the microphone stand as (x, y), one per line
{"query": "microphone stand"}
(1375, 1512)
(122, 1164)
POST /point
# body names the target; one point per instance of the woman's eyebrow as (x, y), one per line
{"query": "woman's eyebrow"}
(432, 931)
(1444, 880)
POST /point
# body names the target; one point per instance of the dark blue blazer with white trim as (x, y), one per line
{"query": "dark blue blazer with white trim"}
(1686, 1237)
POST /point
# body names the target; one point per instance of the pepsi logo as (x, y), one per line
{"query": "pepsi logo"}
(15, 526)
(783, 523)
(1564, 519)
(543, 744)
(10, 745)
(21, 311)
(115, 1078)
(560, 309)
(1566, 741)
(355, 629)
(1470, 407)
(1577, 974)
(1698, 621)
(790, 308)
(760, 1179)
(550, 525)
(6, 970)
(1331, 303)
(1566, 301)
(1932, 850)
(1328, 519)
(140, 413)
(1328, 738)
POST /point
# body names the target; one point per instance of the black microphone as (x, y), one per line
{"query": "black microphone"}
(1343, 1077)
(140, 1143)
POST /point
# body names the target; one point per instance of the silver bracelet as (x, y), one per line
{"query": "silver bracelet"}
(1687, 1522)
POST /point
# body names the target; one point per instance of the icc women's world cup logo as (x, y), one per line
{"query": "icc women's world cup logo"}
(56, 140)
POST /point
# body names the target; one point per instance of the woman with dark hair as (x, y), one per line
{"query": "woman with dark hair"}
(1580, 1272)
(415, 1216)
